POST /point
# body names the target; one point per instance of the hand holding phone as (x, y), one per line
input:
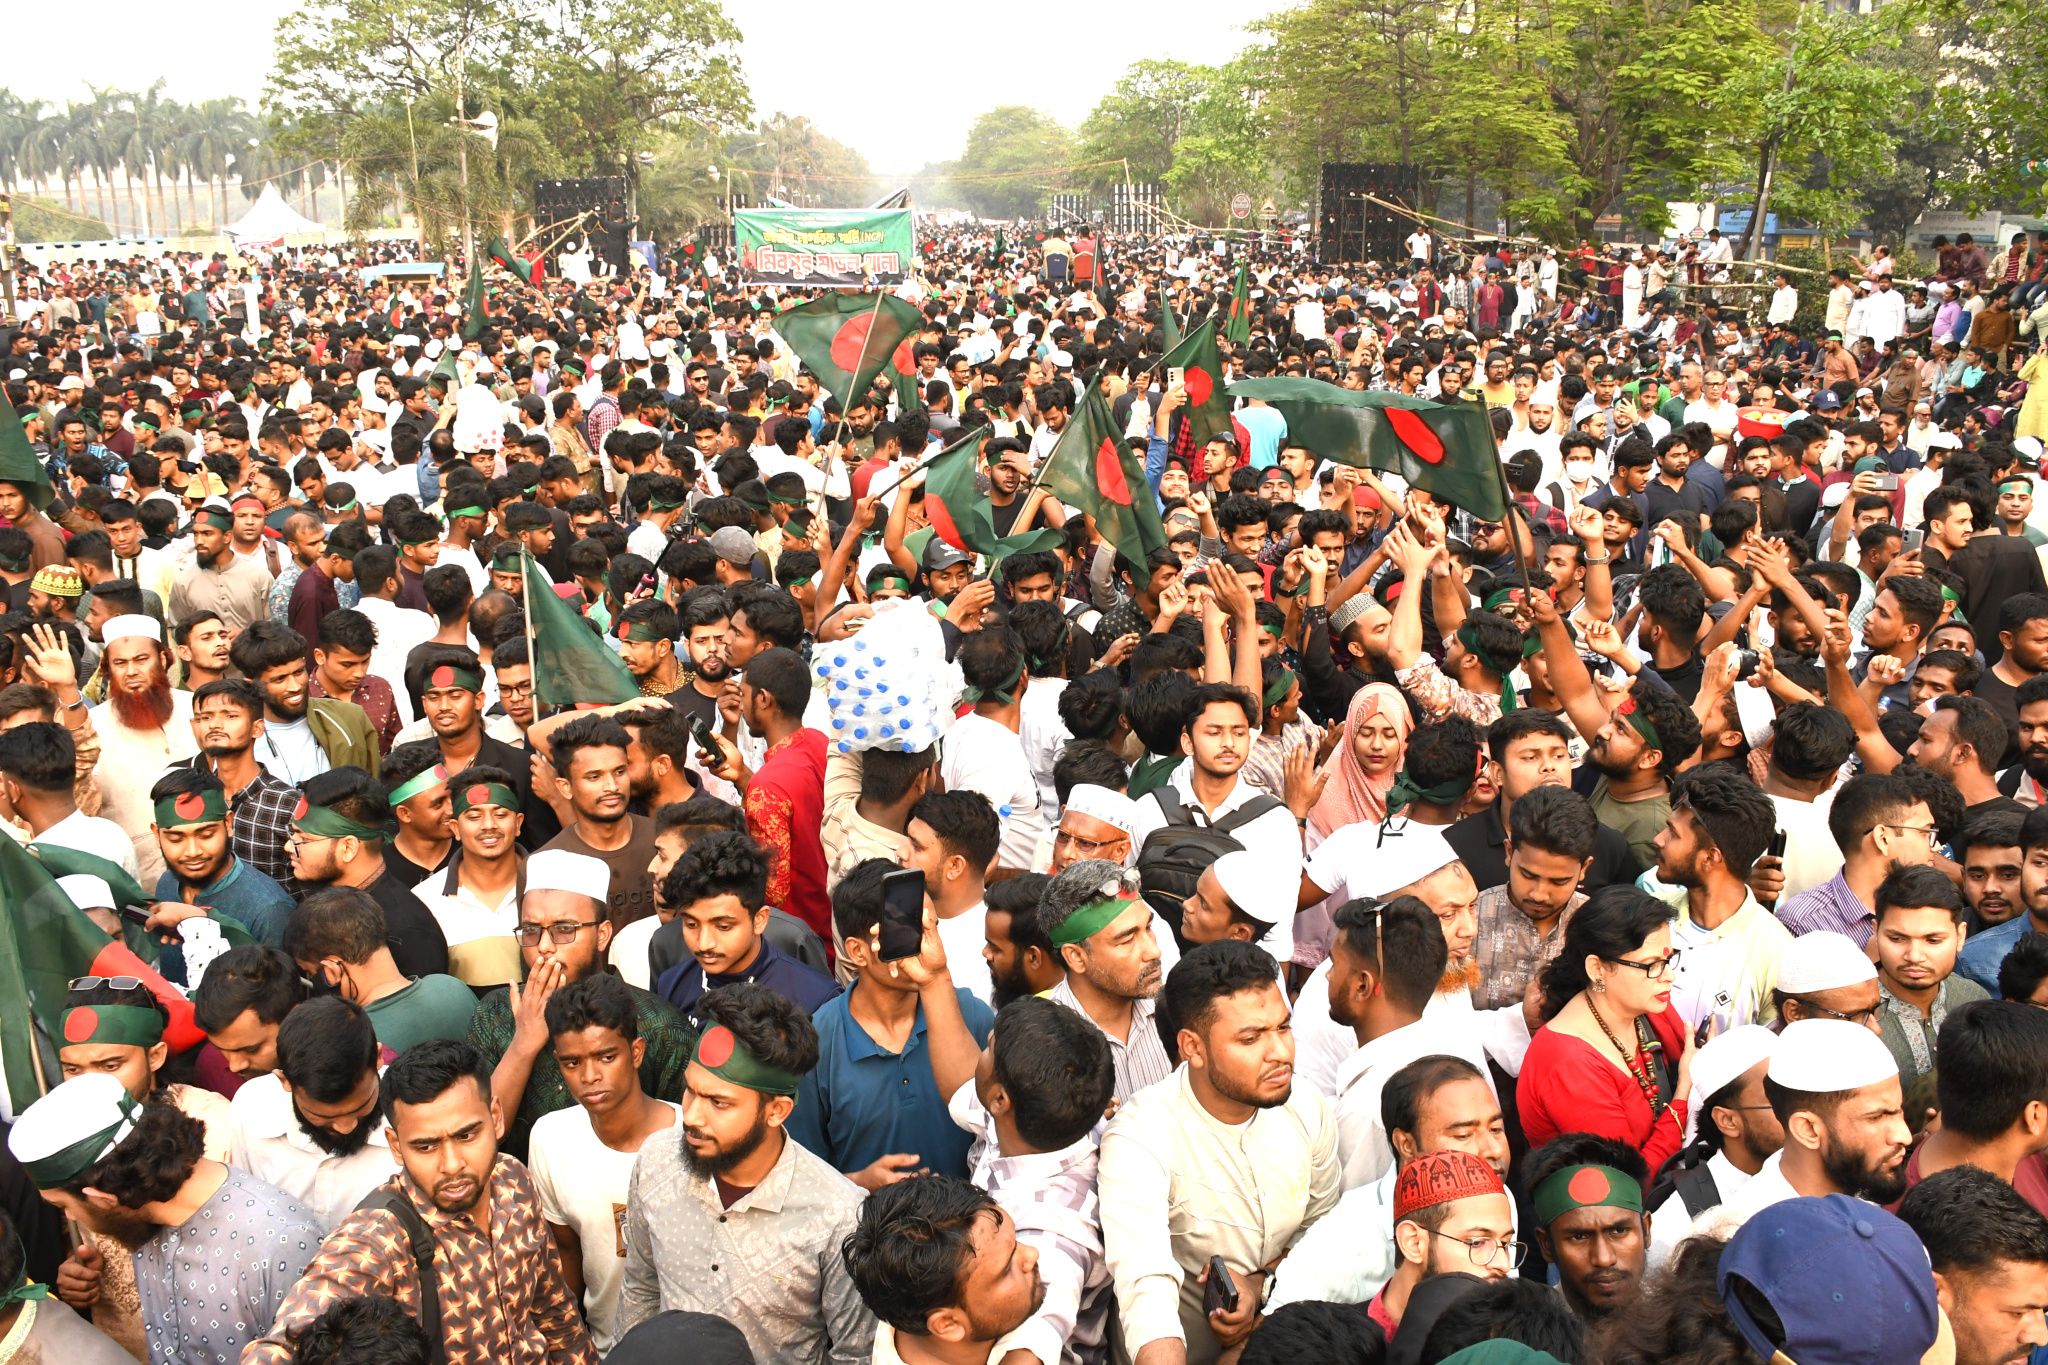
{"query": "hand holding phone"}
(902, 924)
(1219, 1294)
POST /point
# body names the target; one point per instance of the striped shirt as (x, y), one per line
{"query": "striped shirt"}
(1831, 905)
(1140, 1062)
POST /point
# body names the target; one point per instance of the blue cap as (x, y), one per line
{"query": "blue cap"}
(1827, 400)
(1850, 1283)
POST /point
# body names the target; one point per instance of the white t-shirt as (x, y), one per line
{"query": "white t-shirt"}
(986, 756)
(582, 1185)
(963, 936)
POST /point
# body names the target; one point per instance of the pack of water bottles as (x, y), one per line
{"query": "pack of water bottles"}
(890, 686)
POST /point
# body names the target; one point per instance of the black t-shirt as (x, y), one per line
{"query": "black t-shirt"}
(2002, 697)
(410, 930)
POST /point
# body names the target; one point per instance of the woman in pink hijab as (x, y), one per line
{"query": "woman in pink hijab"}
(1366, 762)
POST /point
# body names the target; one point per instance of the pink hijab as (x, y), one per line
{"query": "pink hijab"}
(1351, 795)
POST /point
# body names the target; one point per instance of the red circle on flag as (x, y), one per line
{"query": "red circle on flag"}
(941, 518)
(1200, 384)
(304, 806)
(716, 1047)
(850, 339)
(80, 1024)
(1589, 1187)
(1109, 473)
(189, 805)
(905, 357)
(444, 676)
(1416, 435)
(479, 795)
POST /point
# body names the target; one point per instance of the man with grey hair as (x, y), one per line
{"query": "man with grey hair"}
(1102, 930)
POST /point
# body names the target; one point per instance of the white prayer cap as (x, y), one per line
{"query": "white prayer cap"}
(1101, 803)
(557, 869)
(1822, 1056)
(123, 627)
(1264, 892)
(1727, 1056)
(87, 892)
(65, 1133)
(2029, 446)
(1404, 857)
(1544, 396)
(632, 341)
(1822, 961)
(1947, 440)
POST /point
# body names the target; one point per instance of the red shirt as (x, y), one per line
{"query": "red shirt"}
(785, 810)
(1567, 1086)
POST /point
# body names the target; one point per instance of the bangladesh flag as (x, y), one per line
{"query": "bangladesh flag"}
(959, 513)
(846, 339)
(1445, 449)
(1237, 325)
(18, 462)
(500, 255)
(1093, 470)
(45, 943)
(1169, 321)
(473, 300)
(1208, 411)
(571, 665)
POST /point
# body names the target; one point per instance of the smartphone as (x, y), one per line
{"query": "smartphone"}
(1175, 374)
(1886, 483)
(1745, 664)
(701, 736)
(1777, 844)
(1219, 1295)
(1913, 541)
(902, 929)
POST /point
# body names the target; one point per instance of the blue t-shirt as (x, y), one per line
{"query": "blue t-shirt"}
(1267, 429)
(242, 893)
(860, 1104)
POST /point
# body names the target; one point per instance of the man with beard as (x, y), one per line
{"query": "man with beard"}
(338, 837)
(740, 1191)
(236, 587)
(1835, 1088)
(1989, 1250)
(940, 1263)
(704, 620)
(1728, 943)
(143, 728)
(646, 632)
(310, 1127)
(2026, 781)
(658, 758)
(1102, 933)
(593, 774)
(582, 1158)
(1162, 1153)
(303, 735)
(201, 642)
(1386, 961)
(563, 934)
(1638, 749)
(338, 938)
(1586, 1194)
(191, 827)
(2023, 641)
(133, 1171)
(227, 721)
(478, 1206)
(1880, 827)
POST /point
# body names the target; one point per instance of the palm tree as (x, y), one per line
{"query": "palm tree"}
(216, 137)
(156, 122)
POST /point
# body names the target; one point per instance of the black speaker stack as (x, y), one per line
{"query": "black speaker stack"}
(558, 201)
(1351, 227)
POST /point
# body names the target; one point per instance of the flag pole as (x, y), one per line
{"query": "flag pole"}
(1509, 507)
(861, 361)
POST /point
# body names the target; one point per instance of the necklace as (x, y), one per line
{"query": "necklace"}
(1643, 1082)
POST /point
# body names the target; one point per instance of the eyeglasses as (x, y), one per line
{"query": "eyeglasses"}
(1928, 832)
(1863, 1017)
(515, 689)
(1124, 884)
(1485, 1250)
(1655, 971)
(562, 931)
(119, 983)
(1087, 848)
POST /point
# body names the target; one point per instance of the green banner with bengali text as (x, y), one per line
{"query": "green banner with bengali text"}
(826, 246)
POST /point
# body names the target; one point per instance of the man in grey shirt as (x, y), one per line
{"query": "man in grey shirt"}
(214, 1248)
(732, 1217)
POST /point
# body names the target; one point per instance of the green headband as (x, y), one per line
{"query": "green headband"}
(658, 505)
(639, 632)
(485, 794)
(1468, 636)
(192, 808)
(470, 511)
(1639, 721)
(719, 1052)
(217, 519)
(879, 581)
(1586, 1187)
(348, 506)
(415, 542)
(1004, 691)
(452, 675)
(2023, 480)
(506, 555)
(1091, 919)
(1494, 599)
(426, 779)
(120, 1025)
(793, 584)
(1405, 793)
(23, 1289)
(1280, 688)
(786, 502)
(65, 1165)
(324, 823)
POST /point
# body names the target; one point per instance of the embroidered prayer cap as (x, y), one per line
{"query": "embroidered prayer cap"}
(1440, 1178)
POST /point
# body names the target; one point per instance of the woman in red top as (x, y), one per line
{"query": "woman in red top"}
(1612, 1058)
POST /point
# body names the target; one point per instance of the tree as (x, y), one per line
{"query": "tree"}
(1987, 107)
(1014, 157)
(1142, 118)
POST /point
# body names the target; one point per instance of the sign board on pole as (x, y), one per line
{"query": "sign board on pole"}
(1240, 205)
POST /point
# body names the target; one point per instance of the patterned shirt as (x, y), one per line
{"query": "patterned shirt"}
(669, 1044)
(1831, 905)
(769, 1263)
(501, 1293)
(1265, 767)
(1433, 690)
(1910, 1034)
(211, 1285)
(1509, 950)
(260, 824)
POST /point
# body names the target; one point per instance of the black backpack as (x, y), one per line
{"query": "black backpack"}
(1174, 857)
(420, 1238)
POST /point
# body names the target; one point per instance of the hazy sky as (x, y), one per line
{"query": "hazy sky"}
(947, 71)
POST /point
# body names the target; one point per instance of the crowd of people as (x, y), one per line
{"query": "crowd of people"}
(1351, 929)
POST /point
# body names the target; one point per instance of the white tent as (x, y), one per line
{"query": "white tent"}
(270, 220)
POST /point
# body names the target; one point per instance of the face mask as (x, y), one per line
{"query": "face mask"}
(1578, 471)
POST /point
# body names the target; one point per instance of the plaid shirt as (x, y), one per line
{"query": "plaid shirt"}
(260, 824)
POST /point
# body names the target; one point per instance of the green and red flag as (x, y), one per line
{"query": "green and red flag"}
(473, 316)
(18, 462)
(848, 338)
(1208, 409)
(1237, 324)
(1169, 321)
(571, 665)
(959, 512)
(46, 942)
(1091, 468)
(500, 255)
(1445, 449)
